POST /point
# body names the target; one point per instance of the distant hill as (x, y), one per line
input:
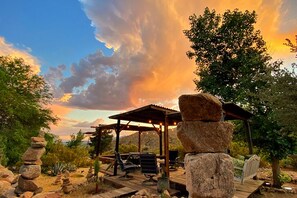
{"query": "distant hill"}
(150, 140)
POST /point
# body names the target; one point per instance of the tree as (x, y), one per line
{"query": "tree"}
(105, 143)
(76, 140)
(228, 53)
(233, 64)
(23, 112)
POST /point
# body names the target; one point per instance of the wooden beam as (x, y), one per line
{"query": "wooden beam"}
(166, 145)
(98, 138)
(160, 140)
(118, 130)
(249, 136)
(125, 126)
(139, 141)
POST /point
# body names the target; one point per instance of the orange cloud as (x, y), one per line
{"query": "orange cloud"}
(150, 64)
(9, 49)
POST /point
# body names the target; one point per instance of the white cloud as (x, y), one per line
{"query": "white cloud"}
(9, 49)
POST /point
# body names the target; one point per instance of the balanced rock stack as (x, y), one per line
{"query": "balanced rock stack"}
(67, 187)
(209, 171)
(31, 168)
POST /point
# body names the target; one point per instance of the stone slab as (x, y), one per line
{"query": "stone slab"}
(200, 107)
(205, 137)
(33, 154)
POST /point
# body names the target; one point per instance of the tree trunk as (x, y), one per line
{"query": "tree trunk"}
(276, 173)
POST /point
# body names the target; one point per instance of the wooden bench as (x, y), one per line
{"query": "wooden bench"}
(249, 169)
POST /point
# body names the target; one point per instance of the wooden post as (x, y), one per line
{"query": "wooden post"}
(98, 138)
(249, 136)
(118, 130)
(160, 140)
(139, 141)
(166, 146)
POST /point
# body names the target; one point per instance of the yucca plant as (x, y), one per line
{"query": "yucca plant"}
(59, 167)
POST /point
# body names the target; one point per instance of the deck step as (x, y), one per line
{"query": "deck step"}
(116, 193)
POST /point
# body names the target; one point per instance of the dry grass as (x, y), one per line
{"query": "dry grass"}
(78, 179)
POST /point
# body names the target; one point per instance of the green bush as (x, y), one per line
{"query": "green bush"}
(238, 148)
(286, 163)
(126, 148)
(285, 178)
(293, 161)
(59, 153)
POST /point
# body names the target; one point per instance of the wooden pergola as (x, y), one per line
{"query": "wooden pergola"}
(161, 116)
(125, 127)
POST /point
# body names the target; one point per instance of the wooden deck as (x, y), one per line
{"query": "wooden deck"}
(177, 185)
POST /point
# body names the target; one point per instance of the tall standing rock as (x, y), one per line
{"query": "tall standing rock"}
(209, 171)
(31, 168)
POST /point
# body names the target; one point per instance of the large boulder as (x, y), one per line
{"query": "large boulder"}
(30, 171)
(200, 107)
(209, 175)
(33, 154)
(205, 137)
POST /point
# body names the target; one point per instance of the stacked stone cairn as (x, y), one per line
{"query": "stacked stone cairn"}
(90, 176)
(58, 179)
(31, 168)
(67, 186)
(209, 170)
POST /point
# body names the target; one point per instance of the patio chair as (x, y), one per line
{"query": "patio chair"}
(149, 167)
(125, 167)
(173, 160)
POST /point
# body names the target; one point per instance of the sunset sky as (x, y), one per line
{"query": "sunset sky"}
(103, 57)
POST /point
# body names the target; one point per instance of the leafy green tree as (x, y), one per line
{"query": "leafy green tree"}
(76, 140)
(233, 64)
(228, 52)
(23, 112)
(105, 143)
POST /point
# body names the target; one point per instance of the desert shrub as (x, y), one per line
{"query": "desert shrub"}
(286, 163)
(238, 148)
(59, 153)
(293, 161)
(126, 148)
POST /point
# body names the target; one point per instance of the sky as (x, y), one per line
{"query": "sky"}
(106, 57)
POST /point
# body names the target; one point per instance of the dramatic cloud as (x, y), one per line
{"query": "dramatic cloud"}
(149, 64)
(9, 49)
(86, 124)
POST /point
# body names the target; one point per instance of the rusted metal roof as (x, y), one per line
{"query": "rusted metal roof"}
(153, 114)
(156, 114)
